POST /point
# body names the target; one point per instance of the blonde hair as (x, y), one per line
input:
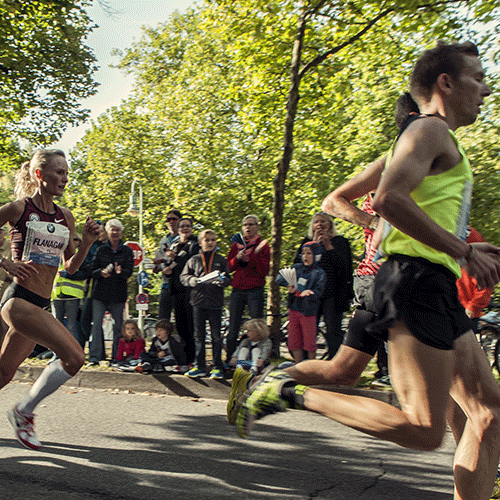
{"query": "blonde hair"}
(26, 182)
(138, 333)
(202, 235)
(328, 218)
(259, 326)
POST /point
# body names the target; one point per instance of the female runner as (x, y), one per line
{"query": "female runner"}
(41, 234)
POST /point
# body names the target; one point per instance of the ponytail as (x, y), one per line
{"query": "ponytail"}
(26, 182)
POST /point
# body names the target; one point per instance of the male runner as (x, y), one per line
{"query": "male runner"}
(424, 194)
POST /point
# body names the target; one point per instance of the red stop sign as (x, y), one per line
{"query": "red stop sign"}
(138, 252)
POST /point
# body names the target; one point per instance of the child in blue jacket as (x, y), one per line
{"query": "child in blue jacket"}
(303, 302)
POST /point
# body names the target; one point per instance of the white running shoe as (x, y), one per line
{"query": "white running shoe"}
(23, 425)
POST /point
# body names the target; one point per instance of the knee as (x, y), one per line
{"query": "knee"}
(74, 361)
(428, 437)
(487, 424)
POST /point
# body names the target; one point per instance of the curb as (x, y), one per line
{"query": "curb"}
(174, 384)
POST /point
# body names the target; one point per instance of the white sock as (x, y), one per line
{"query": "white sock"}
(52, 377)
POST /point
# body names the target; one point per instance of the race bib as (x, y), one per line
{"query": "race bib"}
(45, 242)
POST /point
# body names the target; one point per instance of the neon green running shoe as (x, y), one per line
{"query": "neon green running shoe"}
(241, 381)
(264, 399)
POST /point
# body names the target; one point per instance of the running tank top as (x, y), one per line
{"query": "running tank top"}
(446, 199)
(39, 236)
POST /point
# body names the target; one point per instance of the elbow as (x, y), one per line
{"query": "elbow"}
(330, 203)
(386, 205)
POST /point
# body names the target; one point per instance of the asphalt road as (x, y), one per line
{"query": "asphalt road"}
(100, 444)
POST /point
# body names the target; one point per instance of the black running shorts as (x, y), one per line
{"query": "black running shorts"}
(357, 335)
(423, 295)
(19, 291)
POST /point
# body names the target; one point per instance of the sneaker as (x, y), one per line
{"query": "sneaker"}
(91, 364)
(126, 368)
(158, 368)
(143, 368)
(195, 373)
(384, 381)
(216, 374)
(496, 488)
(264, 399)
(239, 385)
(286, 364)
(23, 425)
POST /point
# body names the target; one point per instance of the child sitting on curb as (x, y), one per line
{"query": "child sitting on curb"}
(254, 350)
(130, 347)
(166, 353)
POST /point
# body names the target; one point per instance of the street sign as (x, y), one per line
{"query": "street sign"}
(138, 252)
(143, 278)
(141, 307)
(142, 298)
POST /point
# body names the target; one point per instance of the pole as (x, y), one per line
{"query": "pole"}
(141, 265)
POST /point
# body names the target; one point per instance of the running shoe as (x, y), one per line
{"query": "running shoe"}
(195, 373)
(239, 385)
(264, 398)
(23, 426)
(216, 374)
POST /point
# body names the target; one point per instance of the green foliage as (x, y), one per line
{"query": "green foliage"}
(45, 69)
(204, 130)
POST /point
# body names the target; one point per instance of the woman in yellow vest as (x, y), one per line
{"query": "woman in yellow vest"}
(68, 291)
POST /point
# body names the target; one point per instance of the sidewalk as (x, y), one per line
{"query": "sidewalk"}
(170, 384)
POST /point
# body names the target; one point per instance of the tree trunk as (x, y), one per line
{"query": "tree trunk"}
(280, 179)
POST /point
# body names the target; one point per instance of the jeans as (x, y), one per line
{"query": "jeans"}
(96, 346)
(67, 308)
(254, 300)
(334, 334)
(165, 304)
(200, 317)
(85, 324)
(184, 323)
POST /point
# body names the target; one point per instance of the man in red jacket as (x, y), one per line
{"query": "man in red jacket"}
(249, 258)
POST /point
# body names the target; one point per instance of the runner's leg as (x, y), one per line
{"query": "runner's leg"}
(476, 391)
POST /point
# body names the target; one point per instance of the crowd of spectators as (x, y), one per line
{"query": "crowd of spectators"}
(194, 275)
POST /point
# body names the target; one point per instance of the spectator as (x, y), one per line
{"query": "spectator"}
(180, 253)
(473, 299)
(336, 261)
(85, 323)
(130, 347)
(207, 299)
(167, 351)
(111, 268)
(163, 261)
(248, 258)
(68, 291)
(303, 302)
(254, 350)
